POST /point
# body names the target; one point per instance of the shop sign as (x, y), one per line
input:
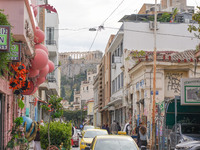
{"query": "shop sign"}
(15, 52)
(4, 38)
(190, 91)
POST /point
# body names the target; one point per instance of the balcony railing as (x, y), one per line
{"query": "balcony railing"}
(51, 78)
(51, 42)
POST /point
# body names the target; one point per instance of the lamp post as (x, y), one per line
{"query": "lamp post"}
(153, 144)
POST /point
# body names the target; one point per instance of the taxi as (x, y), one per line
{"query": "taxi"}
(87, 127)
(113, 142)
(88, 136)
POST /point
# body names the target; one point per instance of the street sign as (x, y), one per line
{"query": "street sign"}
(15, 52)
(190, 91)
(4, 38)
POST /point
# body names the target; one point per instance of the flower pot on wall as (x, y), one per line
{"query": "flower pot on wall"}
(30, 90)
(40, 60)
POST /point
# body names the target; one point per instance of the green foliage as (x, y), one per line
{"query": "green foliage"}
(71, 83)
(20, 103)
(137, 53)
(5, 56)
(192, 28)
(18, 121)
(54, 106)
(75, 116)
(166, 17)
(16, 138)
(59, 133)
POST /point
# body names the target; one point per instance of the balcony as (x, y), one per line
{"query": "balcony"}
(51, 42)
(51, 78)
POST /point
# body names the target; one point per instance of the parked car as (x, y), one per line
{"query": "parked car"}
(89, 135)
(79, 132)
(87, 127)
(113, 142)
(185, 132)
(189, 145)
(75, 138)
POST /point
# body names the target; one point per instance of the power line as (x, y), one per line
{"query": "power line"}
(93, 40)
(113, 12)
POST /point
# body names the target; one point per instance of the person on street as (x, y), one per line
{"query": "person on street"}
(104, 126)
(37, 139)
(41, 123)
(143, 136)
(127, 128)
(118, 126)
(137, 132)
(114, 128)
(107, 128)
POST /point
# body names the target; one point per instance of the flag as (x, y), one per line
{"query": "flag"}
(48, 7)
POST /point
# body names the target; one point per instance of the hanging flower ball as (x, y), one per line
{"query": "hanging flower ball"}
(33, 73)
(41, 46)
(40, 60)
(30, 90)
(51, 66)
(40, 81)
(44, 71)
(39, 36)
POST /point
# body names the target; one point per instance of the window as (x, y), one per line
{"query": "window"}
(112, 86)
(83, 88)
(87, 88)
(50, 36)
(89, 78)
(113, 56)
(116, 84)
(119, 82)
(122, 79)
(121, 47)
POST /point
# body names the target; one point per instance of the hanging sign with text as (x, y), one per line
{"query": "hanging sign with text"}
(4, 38)
(15, 52)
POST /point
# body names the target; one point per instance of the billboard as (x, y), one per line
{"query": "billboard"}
(4, 38)
(190, 91)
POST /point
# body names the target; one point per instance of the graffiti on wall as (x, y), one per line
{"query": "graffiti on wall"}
(174, 81)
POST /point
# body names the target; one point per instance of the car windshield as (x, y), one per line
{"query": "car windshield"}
(88, 127)
(190, 129)
(92, 134)
(115, 144)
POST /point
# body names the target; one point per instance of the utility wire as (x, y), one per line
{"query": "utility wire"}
(93, 40)
(113, 12)
(102, 25)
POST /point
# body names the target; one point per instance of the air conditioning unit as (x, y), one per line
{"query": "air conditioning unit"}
(113, 66)
(151, 25)
(117, 59)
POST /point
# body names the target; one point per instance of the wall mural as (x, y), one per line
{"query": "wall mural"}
(174, 81)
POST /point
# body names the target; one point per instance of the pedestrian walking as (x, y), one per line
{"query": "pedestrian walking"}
(142, 137)
(127, 128)
(118, 126)
(37, 145)
(104, 126)
(114, 128)
(107, 128)
(137, 132)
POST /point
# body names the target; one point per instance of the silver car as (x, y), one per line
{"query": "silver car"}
(185, 132)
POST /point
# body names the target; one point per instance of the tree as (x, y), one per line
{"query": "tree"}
(193, 28)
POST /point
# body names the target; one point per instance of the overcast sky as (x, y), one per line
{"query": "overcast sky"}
(77, 16)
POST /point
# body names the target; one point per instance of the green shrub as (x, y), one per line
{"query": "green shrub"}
(59, 133)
